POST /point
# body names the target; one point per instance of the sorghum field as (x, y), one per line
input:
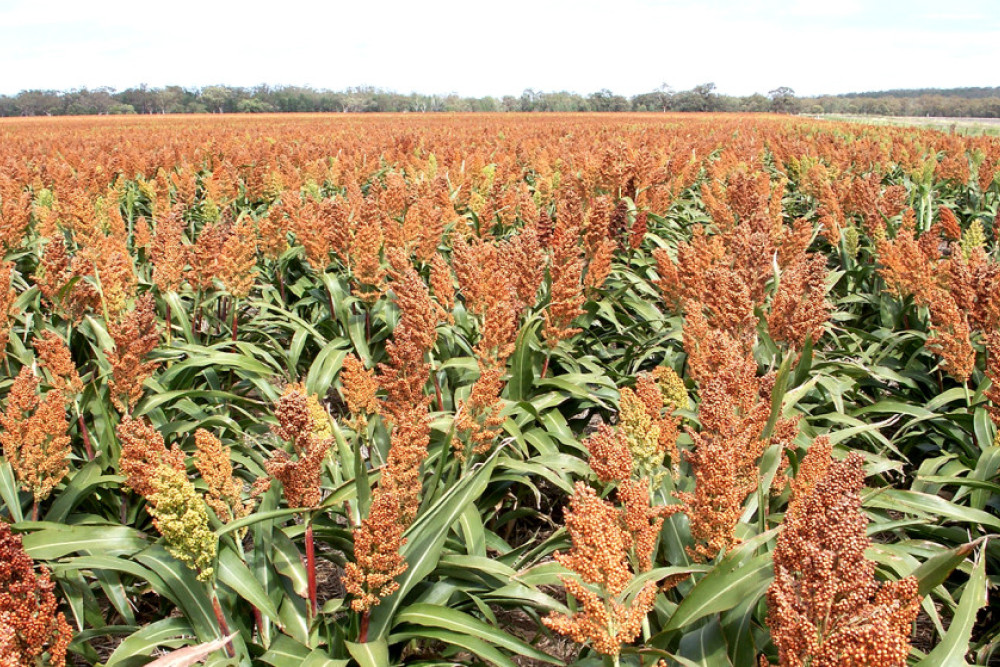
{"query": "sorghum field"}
(498, 390)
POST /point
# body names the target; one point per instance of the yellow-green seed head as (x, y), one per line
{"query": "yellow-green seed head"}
(852, 241)
(675, 394)
(641, 436)
(973, 238)
(180, 515)
(320, 419)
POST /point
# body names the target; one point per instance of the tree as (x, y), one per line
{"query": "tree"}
(783, 100)
(756, 103)
(216, 97)
(706, 97)
(665, 93)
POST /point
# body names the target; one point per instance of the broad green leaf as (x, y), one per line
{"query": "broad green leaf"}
(234, 573)
(55, 541)
(705, 647)
(425, 539)
(80, 484)
(9, 493)
(325, 367)
(724, 587)
(936, 569)
(147, 639)
(901, 500)
(370, 654)
(522, 372)
(955, 643)
(189, 594)
(457, 621)
(481, 648)
(285, 651)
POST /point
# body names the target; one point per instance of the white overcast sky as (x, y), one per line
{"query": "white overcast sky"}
(502, 47)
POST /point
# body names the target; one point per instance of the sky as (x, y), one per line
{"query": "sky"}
(501, 48)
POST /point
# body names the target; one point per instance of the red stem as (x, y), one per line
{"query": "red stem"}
(170, 325)
(281, 285)
(437, 392)
(34, 511)
(363, 633)
(545, 367)
(223, 626)
(235, 322)
(86, 438)
(222, 312)
(258, 620)
(311, 568)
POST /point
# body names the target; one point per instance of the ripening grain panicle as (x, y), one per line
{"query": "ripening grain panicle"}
(54, 356)
(825, 606)
(7, 308)
(225, 491)
(297, 424)
(34, 436)
(136, 335)
(31, 624)
(600, 557)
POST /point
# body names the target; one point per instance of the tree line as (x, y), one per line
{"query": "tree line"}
(963, 102)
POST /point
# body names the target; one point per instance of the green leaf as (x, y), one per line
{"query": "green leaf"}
(81, 483)
(925, 504)
(370, 654)
(425, 539)
(319, 659)
(189, 594)
(777, 396)
(955, 643)
(149, 638)
(522, 371)
(56, 540)
(936, 569)
(725, 586)
(285, 651)
(483, 649)
(456, 621)
(234, 573)
(288, 561)
(217, 361)
(705, 647)
(325, 367)
(8, 491)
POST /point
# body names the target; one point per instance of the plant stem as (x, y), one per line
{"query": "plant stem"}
(258, 620)
(363, 632)
(281, 284)
(34, 511)
(545, 366)
(311, 566)
(86, 437)
(196, 318)
(437, 391)
(169, 323)
(223, 626)
(235, 319)
(221, 312)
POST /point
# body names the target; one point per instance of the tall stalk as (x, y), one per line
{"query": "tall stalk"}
(311, 566)
(221, 620)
